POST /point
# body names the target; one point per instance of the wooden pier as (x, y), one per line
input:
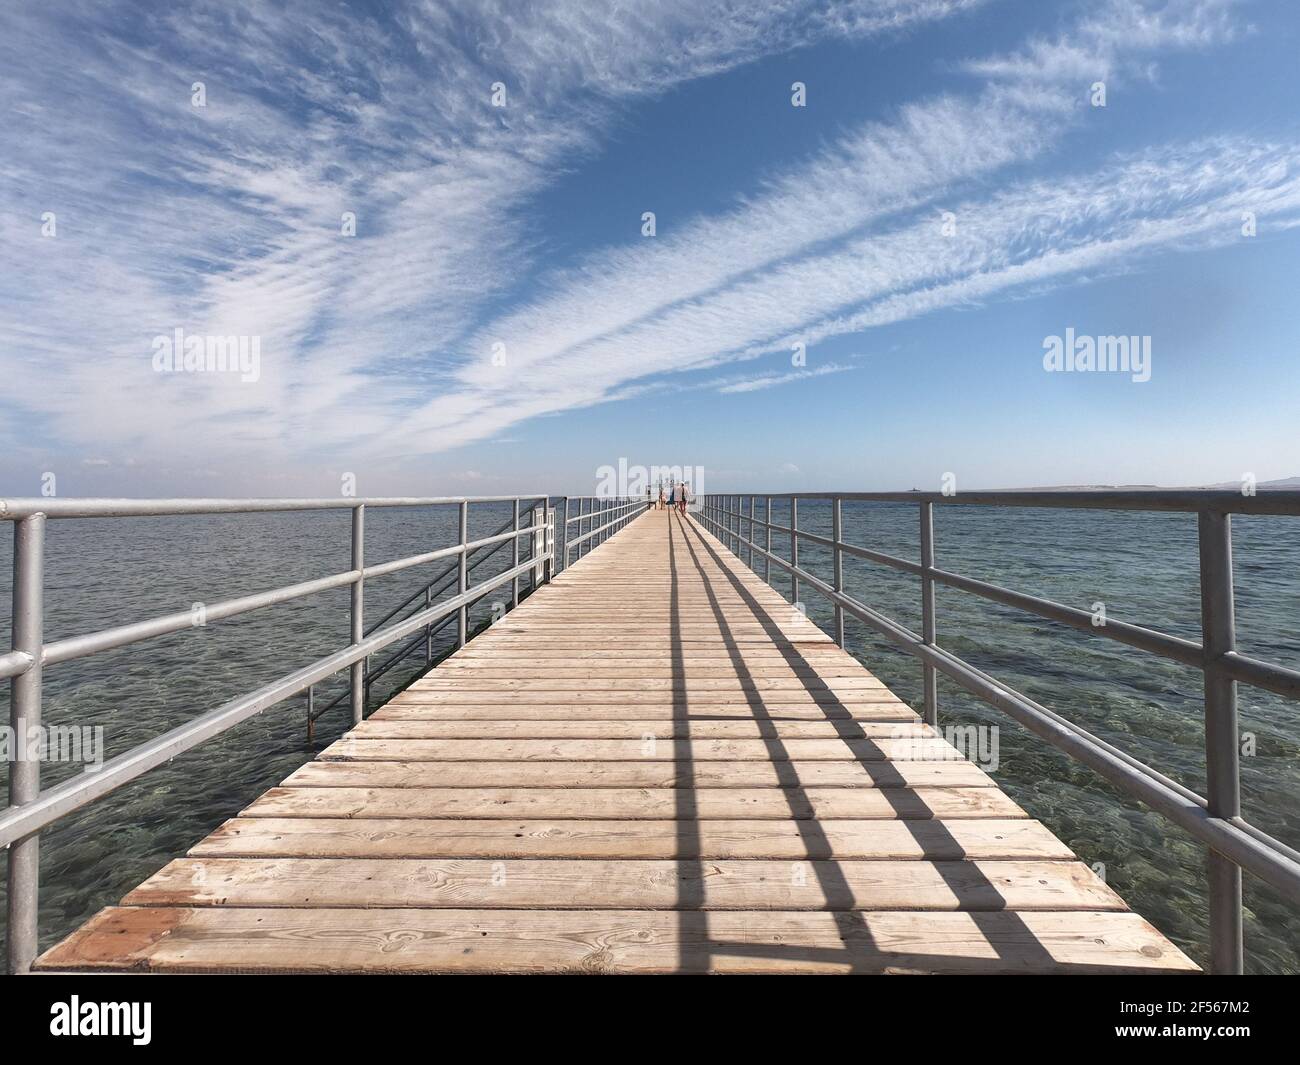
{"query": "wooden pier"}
(654, 765)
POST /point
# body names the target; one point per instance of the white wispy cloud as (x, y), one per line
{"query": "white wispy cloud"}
(858, 226)
(1091, 48)
(771, 380)
(225, 219)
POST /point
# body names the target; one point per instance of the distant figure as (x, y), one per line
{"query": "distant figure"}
(661, 496)
(681, 497)
(649, 499)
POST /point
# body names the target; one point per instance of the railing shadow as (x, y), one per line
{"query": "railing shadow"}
(975, 895)
(692, 918)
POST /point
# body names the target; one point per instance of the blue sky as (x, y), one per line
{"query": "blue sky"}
(521, 226)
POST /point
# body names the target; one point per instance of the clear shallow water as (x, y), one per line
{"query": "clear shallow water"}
(1143, 566)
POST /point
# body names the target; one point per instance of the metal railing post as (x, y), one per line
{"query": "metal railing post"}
(462, 584)
(358, 673)
(767, 559)
(753, 502)
(929, 675)
(428, 629)
(794, 550)
(837, 560)
(564, 561)
(548, 540)
(1222, 756)
(514, 559)
(25, 717)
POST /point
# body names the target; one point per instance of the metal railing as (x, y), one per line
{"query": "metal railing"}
(32, 809)
(1214, 819)
(598, 518)
(437, 585)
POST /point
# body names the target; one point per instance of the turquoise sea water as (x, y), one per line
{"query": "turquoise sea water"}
(1142, 566)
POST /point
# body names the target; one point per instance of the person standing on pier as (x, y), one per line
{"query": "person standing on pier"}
(661, 495)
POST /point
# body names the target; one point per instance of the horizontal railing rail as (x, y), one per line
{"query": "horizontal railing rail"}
(1215, 819)
(32, 809)
(437, 585)
(613, 512)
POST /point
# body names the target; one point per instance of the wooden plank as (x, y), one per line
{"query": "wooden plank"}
(178, 940)
(512, 711)
(649, 698)
(483, 652)
(355, 745)
(562, 883)
(594, 680)
(638, 775)
(636, 803)
(323, 837)
(711, 642)
(664, 729)
(622, 669)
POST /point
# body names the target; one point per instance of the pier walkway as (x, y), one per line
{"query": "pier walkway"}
(654, 765)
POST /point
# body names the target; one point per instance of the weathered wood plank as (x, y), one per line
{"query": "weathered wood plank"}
(512, 711)
(664, 729)
(174, 939)
(355, 745)
(636, 803)
(638, 775)
(682, 700)
(579, 668)
(322, 837)
(562, 883)
(483, 652)
(587, 680)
